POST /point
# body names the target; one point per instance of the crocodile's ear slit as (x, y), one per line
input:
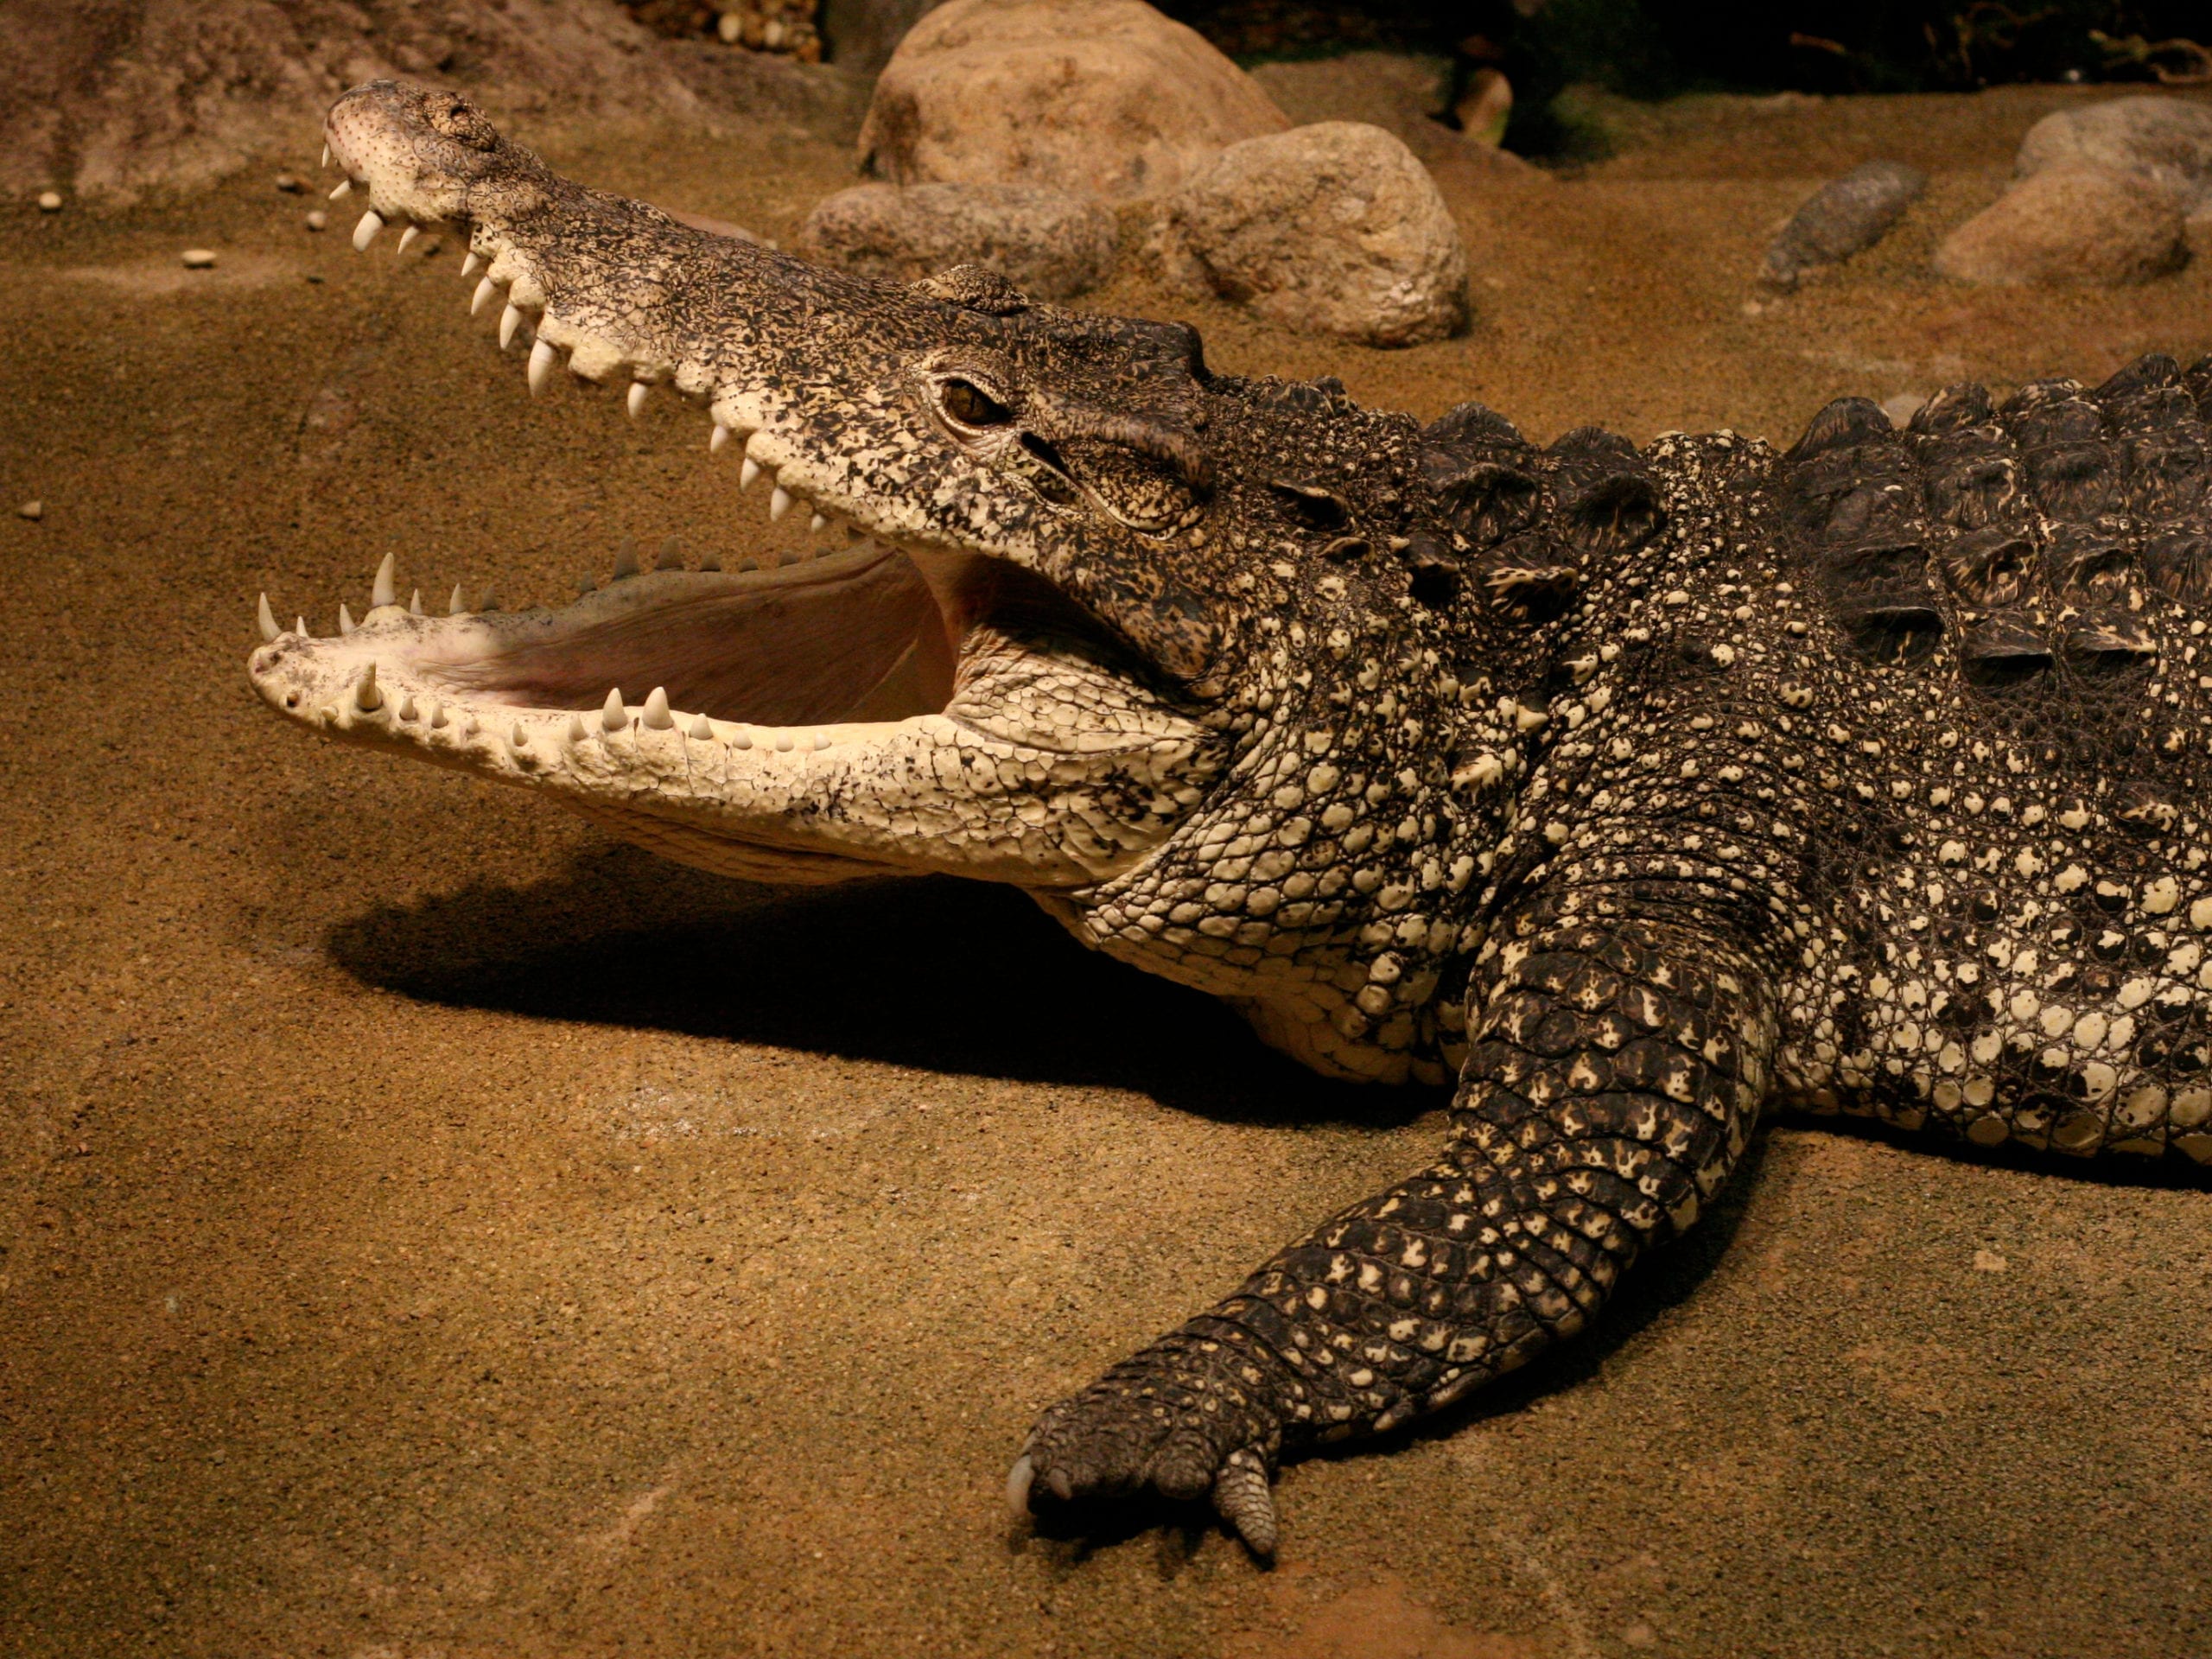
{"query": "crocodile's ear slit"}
(1319, 507)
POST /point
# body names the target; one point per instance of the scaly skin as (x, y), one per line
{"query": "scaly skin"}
(1637, 790)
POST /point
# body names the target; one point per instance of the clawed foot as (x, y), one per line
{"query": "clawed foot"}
(1185, 1419)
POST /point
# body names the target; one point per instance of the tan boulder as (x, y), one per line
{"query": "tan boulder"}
(1334, 228)
(2070, 223)
(1103, 97)
(2167, 141)
(1050, 244)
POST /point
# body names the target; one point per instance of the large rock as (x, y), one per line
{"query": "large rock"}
(1844, 217)
(2069, 224)
(1335, 228)
(1106, 98)
(113, 98)
(1048, 243)
(2167, 141)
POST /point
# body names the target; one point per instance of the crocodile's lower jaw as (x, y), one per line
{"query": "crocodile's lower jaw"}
(818, 722)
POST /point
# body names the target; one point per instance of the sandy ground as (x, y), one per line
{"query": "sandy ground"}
(431, 1229)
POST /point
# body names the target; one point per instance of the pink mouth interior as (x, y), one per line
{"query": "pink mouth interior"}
(856, 637)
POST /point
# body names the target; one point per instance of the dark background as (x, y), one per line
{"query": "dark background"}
(1656, 48)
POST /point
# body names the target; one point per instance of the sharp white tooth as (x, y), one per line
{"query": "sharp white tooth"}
(481, 297)
(510, 320)
(344, 187)
(345, 619)
(542, 357)
(637, 399)
(299, 627)
(779, 503)
(366, 232)
(702, 727)
(721, 437)
(437, 716)
(407, 706)
(414, 605)
(615, 716)
(656, 713)
(382, 591)
(407, 236)
(518, 737)
(469, 728)
(575, 728)
(816, 525)
(747, 473)
(625, 559)
(454, 607)
(325, 156)
(366, 697)
(469, 262)
(267, 618)
(742, 740)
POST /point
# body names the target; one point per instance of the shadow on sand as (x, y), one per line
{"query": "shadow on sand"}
(960, 977)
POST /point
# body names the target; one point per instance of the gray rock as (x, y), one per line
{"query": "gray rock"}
(1334, 228)
(2069, 224)
(1106, 98)
(2166, 141)
(1050, 244)
(1845, 216)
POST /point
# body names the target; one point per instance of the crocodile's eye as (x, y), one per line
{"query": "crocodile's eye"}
(966, 403)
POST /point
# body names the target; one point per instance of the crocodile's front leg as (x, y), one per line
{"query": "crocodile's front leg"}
(1622, 1049)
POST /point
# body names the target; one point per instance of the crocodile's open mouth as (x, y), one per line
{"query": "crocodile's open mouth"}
(874, 708)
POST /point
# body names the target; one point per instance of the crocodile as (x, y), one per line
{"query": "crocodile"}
(1629, 791)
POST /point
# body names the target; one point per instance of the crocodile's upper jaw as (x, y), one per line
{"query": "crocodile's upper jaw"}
(943, 694)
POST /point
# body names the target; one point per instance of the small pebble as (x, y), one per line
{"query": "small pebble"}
(318, 219)
(49, 202)
(290, 184)
(31, 510)
(199, 258)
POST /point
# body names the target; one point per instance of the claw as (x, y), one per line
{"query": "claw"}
(1018, 1482)
(1063, 1488)
(1241, 1494)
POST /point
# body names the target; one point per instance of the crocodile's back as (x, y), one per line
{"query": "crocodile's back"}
(2005, 727)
